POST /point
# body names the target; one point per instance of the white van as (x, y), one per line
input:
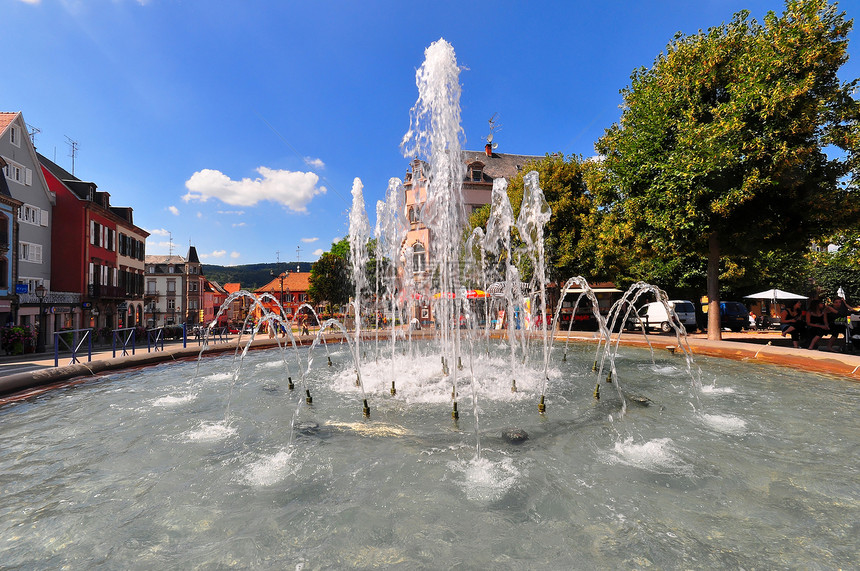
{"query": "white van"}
(655, 317)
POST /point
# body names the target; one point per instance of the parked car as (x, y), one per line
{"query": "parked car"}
(734, 315)
(654, 315)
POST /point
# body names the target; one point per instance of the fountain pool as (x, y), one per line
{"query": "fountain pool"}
(141, 470)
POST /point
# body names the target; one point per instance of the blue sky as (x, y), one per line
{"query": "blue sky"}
(239, 126)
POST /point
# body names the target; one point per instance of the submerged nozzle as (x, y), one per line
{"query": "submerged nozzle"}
(366, 410)
(594, 367)
(290, 383)
(454, 414)
(541, 406)
(393, 389)
(609, 377)
(308, 398)
(357, 380)
(597, 391)
(564, 358)
(329, 361)
(513, 385)
(459, 363)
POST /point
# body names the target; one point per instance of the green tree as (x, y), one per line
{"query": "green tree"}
(329, 281)
(722, 145)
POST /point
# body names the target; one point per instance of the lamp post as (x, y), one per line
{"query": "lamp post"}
(40, 340)
(281, 277)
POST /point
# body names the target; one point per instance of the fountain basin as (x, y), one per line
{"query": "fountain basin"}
(141, 470)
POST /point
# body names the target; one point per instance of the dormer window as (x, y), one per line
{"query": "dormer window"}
(476, 172)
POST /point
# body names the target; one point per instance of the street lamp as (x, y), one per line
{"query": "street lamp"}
(282, 277)
(40, 340)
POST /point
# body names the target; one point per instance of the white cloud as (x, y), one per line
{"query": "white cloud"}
(319, 252)
(235, 255)
(239, 225)
(294, 190)
(232, 212)
(309, 240)
(173, 210)
(214, 254)
(30, 1)
(199, 215)
(314, 163)
(158, 232)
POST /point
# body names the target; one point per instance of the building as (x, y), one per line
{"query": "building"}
(8, 238)
(99, 253)
(290, 289)
(238, 309)
(174, 290)
(26, 183)
(214, 296)
(481, 168)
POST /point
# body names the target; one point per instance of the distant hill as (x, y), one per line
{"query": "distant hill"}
(251, 276)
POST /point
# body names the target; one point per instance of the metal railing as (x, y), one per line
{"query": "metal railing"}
(126, 337)
(79, 337)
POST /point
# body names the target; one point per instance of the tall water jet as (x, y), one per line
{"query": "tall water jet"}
(359, 234)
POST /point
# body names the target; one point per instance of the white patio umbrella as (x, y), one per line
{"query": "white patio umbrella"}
(775, 295)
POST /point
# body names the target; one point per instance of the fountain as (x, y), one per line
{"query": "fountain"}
(226, 462)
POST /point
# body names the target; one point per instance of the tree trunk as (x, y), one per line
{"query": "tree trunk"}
(714, 331)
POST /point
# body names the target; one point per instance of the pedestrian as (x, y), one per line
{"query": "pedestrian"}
(837, 315)
(792, 322)
(816, 322)
(305, 327)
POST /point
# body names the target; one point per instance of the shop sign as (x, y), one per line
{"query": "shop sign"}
(61, 309)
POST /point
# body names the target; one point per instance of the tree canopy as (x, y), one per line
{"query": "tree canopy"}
(737, 138)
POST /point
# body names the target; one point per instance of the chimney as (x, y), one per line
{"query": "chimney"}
(488, 148)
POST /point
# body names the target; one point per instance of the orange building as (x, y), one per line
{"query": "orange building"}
(290, 288)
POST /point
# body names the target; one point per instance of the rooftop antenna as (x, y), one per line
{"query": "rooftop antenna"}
(298, 253)
(73, 150)
(493, 128)
(169, 243)
(33, 132)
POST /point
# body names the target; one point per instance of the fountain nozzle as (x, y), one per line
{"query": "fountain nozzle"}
(609, 377)
(393, 389)
(564, 358)
(329, 361)
(308, 398)
(454, 414)
(357, 380)
(290, 383)
(513, 385)
(597, 391)
(594, 366)
(459, 363)
(542, 406)
(366, 409)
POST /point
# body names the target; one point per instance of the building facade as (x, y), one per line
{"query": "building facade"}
(26, 183)
(99, 253)
(174, 290)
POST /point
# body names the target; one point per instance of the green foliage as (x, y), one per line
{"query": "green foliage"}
(720, 149)
(329, 280)
(251, 276)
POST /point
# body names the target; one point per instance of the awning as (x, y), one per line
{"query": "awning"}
(468, 294)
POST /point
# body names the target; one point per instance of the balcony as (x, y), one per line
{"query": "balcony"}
(105, 291)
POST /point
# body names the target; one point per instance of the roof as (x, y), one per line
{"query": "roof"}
(232, 287)
(6, 119)
(293, 281)
(499, 164)
(153, 259)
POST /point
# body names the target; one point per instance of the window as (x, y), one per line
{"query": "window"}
(171, 286)
(476, 172)
(32, 215)
(192, 286)
(171, 304)
(150, 286)
(192, 304)
(28, 252)
(419, 262)
(150, 269)
(17, 172)
(15, 135)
